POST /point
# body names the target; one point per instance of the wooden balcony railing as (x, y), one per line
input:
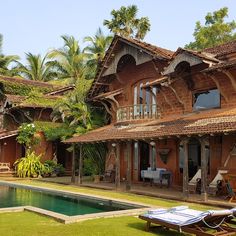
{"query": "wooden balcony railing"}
(136, 112)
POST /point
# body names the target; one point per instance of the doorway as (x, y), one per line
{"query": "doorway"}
(144, 156)
(194, 157)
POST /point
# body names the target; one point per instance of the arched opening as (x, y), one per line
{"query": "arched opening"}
(183, 70)
(125, 61)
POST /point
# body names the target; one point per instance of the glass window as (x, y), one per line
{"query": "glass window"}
(206, 100)
(136, 156)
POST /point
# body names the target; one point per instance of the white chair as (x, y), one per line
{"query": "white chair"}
(192, 184)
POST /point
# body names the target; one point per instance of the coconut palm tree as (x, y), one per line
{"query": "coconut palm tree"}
(36, 68)
(73, 111)
(124, 22)
(69, 60)
(97, 47)
(5, 61)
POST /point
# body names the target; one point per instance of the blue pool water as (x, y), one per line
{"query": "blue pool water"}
(11, 197)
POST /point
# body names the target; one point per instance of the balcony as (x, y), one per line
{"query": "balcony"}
(137, 112)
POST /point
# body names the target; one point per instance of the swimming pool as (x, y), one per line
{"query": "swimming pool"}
(61, 203)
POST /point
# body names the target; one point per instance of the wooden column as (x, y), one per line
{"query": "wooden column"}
(117, 179)
(128, 170)
(185, 170)
(80, 174)
(73, 164)
(203, 170)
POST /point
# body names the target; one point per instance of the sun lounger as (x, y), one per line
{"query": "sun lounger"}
(192, 184)
(184, 219)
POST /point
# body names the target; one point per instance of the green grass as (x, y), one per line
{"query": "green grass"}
(27, 223)
(30, 224)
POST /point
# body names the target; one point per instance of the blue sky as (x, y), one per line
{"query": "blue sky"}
(36, 26)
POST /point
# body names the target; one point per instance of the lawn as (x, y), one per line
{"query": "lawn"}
(27, 223)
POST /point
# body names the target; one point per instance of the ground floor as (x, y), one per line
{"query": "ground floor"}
(11, 150)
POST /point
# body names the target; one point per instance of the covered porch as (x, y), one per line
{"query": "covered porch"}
(181, 146)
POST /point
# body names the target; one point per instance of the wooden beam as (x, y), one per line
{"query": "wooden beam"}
(203, 169)
(80, 174)
(73, 164)
(166, 99)
(185, 170)
(175, 93)
(128, 170)
(231, 77)
(219, 87)
(117, 179)
(107, 108)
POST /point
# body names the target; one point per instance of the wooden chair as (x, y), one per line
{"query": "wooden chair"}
(198, 223)
(109, 174)
(4, 166)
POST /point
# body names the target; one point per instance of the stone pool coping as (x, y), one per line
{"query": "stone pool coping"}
(72, 219)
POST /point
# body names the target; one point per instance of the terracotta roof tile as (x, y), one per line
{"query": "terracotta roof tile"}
(208, 122)
(222, 49)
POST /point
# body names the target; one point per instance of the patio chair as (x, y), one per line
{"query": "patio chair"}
(231, 192)
(109, 174)
(216, 184)
(184, 219)
(195, 182)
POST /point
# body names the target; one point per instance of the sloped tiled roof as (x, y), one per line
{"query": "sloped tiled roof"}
(29, 82)
(207, 122)
(222, 49)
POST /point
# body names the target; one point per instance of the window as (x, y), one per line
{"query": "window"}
(206, 100)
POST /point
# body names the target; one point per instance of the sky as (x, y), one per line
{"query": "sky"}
(36, 26)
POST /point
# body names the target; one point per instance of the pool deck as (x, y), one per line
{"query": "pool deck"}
(147, 190)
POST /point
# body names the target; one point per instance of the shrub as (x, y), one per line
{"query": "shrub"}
(30, 165)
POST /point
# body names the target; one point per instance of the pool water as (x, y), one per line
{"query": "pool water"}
(67, 205)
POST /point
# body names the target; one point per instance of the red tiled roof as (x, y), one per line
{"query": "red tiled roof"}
(222, 49)
(221, 66)
(6, 134)
(201, 54)
(61, 90)
(206, 122)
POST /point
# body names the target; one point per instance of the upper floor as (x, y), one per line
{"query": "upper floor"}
(138, 81)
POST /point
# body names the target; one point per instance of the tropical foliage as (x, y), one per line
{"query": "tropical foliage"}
(30, 165)
(94, 158)
(36, 68)
(215, 31)
(124, 22)
(96, 49)
(6, 61)
(27, 135)
(69, 61)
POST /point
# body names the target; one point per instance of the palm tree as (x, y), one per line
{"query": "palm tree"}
(124, 22)
(73, 111)
(37, 68)
(96, 49)
(69, 60)
(5, 61)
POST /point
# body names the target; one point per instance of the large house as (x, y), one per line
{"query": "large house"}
(172, 110)
(26, 101)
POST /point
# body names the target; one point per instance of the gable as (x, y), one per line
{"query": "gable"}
(183, 57)
(139, 56)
